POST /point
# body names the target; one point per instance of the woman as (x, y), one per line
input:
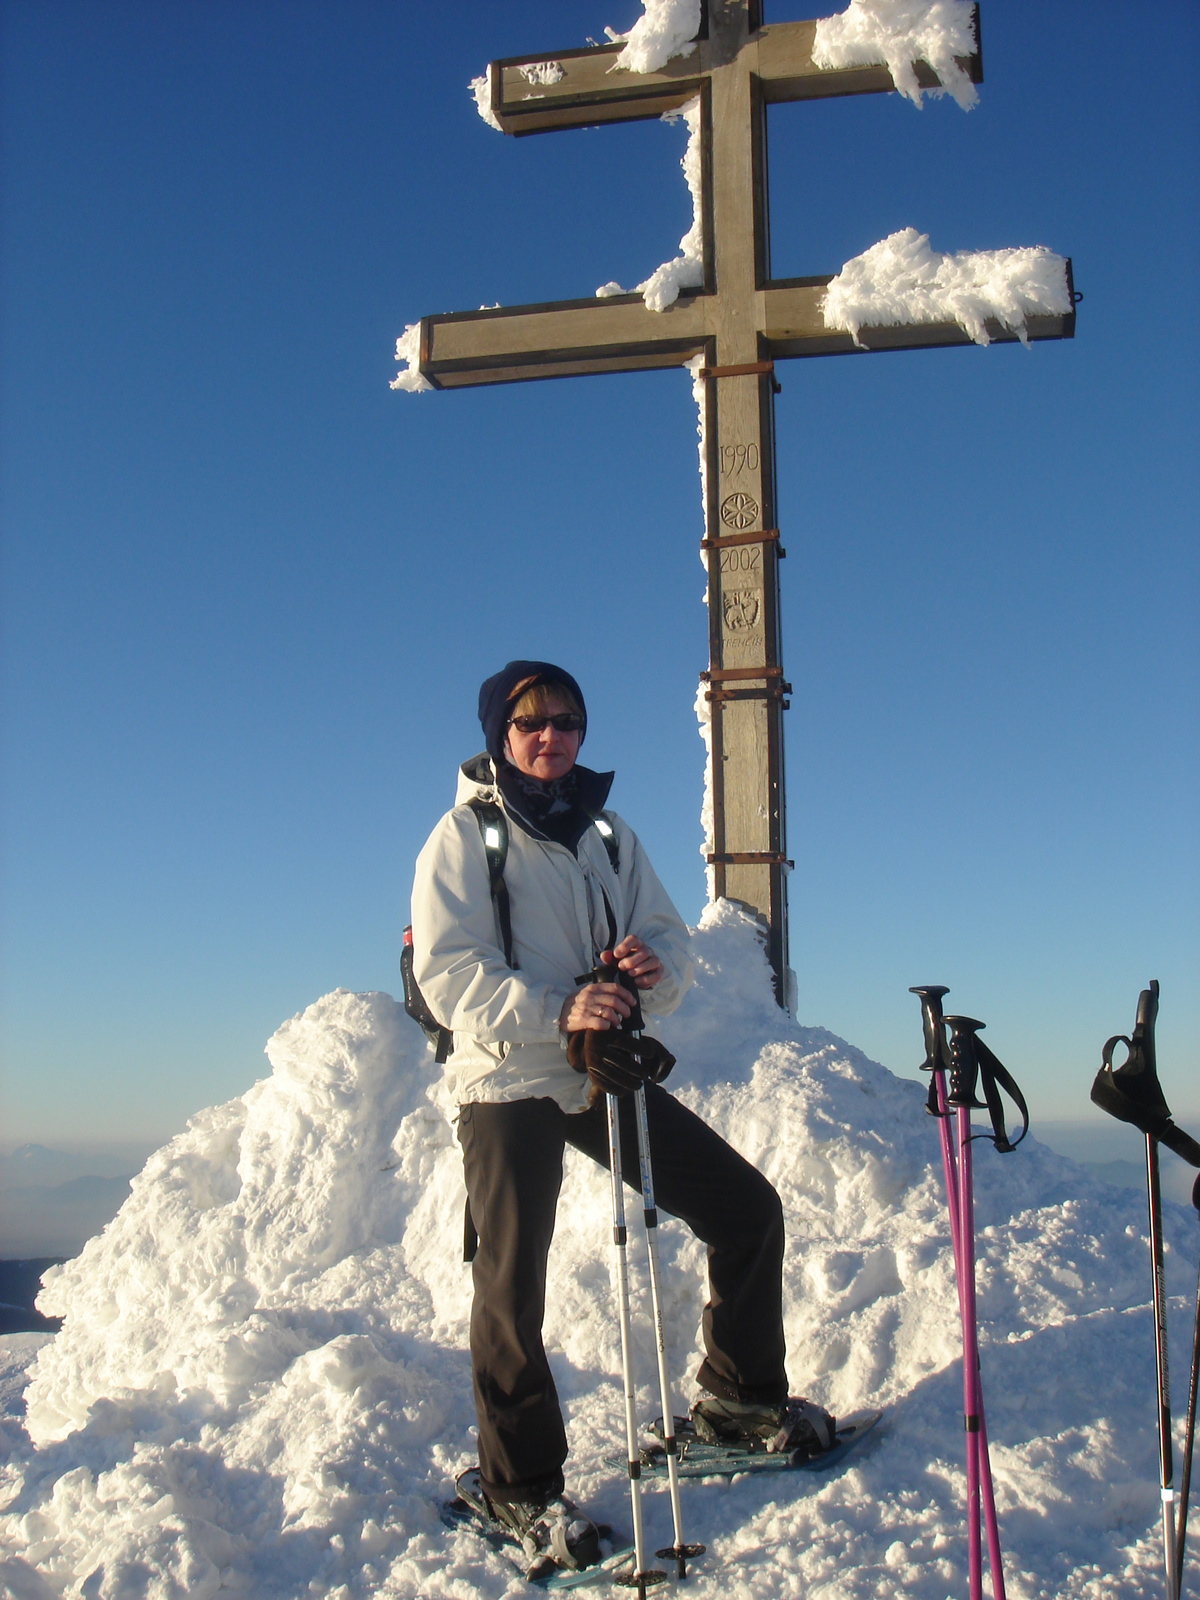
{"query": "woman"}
(573, 906)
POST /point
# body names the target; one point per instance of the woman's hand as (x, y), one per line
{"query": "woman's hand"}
(635, 958)
(596, 1006)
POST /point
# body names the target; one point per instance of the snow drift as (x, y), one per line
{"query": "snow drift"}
(262, 1384)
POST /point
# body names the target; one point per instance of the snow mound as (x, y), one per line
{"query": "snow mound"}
(666, 28)
(262, 1386)
(899, 32)
(901, 280)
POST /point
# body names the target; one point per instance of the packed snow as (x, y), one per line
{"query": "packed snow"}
(899, 32)
(262, 1386)
(666, 28)
(901, 280)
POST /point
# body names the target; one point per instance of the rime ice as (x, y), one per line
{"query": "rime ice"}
(408, 350)
(901, 280)
(665, 29)
(897, 33)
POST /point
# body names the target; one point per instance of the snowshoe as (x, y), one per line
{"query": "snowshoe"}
(701, 1456)
(553, 1545)
(797, 1427)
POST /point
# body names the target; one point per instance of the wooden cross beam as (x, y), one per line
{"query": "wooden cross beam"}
(740, 322)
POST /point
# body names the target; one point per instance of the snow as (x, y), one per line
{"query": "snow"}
(901, 280)
(897, 33)
(408, 350)
(686, 270)
(667, 28)
(17, 1353)
(262, 1385)
(543, 72)
(708, 805)
(481, 88)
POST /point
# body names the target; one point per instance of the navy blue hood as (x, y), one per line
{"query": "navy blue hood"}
(496, 693)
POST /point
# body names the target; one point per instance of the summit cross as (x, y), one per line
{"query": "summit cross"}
(740, 322)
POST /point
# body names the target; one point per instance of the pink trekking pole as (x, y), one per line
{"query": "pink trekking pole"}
(962, 1060)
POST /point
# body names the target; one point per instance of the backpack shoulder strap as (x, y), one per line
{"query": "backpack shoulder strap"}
(493, 827)
(607, 832)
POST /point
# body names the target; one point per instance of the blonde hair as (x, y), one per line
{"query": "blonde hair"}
(534, 701)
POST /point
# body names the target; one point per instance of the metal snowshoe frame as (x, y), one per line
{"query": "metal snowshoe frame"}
(1133, 1094)
(966, 1058)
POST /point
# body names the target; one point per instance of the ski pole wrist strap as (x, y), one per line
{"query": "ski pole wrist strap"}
(994, 1076)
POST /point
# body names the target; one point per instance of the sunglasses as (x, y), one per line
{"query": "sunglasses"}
(562, 722)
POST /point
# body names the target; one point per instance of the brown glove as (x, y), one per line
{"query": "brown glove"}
(617, 1063)
(618, 1060)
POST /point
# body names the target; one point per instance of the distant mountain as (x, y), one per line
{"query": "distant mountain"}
(36, 1164)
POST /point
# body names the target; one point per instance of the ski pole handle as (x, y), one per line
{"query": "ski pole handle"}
(930, 996)
(964, 1062)
(934, 1028)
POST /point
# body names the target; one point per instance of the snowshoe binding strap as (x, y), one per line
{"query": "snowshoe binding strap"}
(1132, 1092)
(796, 1426)
(554, 1535)
(551, 1536)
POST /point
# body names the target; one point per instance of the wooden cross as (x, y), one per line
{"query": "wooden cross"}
(741, 322)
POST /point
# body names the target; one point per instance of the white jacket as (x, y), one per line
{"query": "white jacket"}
(507, 1044)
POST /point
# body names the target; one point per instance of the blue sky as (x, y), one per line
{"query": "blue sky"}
(249, 592)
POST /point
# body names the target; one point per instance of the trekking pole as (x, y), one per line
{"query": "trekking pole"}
(937, 1062)
(639, 1578)
(680, 1551)
(1185, 1481)
(963, 1072)
(1132, 1093)
(1166, 1465)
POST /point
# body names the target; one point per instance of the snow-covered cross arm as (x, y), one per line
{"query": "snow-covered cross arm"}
(724, 315)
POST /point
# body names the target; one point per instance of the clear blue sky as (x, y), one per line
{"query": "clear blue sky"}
(249, 592)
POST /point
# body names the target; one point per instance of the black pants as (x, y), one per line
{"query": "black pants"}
(513, 1153)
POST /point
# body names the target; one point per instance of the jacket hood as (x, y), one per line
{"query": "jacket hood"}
(476, 780)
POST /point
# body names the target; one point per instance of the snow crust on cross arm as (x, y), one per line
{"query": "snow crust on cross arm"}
(262, 1386)
(481, 88)
(897, 33)
(666, 28)
(408, 350)
(901, 280)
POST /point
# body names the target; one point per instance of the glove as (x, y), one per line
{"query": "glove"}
(617, 1063)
